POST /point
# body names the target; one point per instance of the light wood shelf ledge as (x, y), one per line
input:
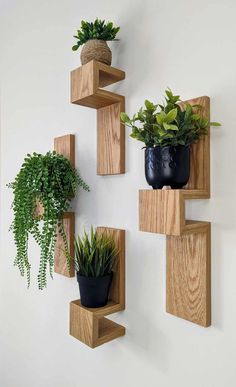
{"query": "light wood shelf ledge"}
(89, 324)
(87, 82)
(188, 242)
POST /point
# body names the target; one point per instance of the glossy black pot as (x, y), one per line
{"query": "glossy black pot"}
(94, 290)
(168, 165)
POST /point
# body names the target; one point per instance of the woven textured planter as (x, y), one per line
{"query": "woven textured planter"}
(96, 49)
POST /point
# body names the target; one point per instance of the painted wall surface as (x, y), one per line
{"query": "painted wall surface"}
(186, 45)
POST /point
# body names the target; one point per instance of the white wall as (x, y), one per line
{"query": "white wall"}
(186, 45)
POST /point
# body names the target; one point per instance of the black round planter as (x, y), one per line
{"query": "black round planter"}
(168, 165)
(94, 290)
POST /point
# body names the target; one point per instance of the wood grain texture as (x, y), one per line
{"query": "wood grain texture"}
(83, 324)
(86, 84)
(200, 152)
(87, 79)
(65, 145)
(161, 211)
(82, 82)
(107, 75)
(108, 330)
(60, 262)
(188, 279)
(88, 324)
(90, 329)
(110, 140)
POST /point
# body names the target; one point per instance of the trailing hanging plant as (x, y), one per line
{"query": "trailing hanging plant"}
(51, 181)
(95, 255)
(170, 124)
(98, 30)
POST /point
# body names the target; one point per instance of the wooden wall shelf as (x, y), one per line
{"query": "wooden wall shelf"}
(87, 82)
(188, 242)
(89, 324)
(65, 145)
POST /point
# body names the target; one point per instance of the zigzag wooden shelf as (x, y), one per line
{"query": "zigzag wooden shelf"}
(86, 84)
(65, 145)
(188, 242)
(89, 324)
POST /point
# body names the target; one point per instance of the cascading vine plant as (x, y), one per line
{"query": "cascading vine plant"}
(51, 181)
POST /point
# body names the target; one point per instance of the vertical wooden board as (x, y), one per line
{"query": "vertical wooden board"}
(60, 261)
(161, 211)
(200, 152)
(110, 140)
(83, 82)
(188, 276)
(83, 324)
(65, 145)
(117, 291)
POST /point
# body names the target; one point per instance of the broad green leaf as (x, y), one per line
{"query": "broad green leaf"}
(162, 132)
(166, 126)
(124, 117)
(171, 116)
(173, 127)
(75, 47)
(169, 135)
(149, 105)
(160, 117)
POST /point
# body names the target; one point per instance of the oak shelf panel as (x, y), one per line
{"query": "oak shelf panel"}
(65, 145)
(88, 324)
(188, 242)
(108, 330)
(163, 211)
(188, 280)
(87, 82)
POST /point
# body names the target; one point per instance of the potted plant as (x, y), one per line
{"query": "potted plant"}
(51, 181)
(95, 257)
(94, 37)
(167, 131)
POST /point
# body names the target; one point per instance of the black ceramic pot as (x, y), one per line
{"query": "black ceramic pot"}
(94, 290)
(168, 165)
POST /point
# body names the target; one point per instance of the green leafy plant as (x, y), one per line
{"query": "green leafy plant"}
(97, 30)
(51, 181)
(95, 255)
(169, 124)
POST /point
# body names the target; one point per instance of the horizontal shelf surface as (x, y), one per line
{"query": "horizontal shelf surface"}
(108, 330)
(162, 211)
(111, 307)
